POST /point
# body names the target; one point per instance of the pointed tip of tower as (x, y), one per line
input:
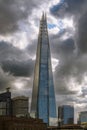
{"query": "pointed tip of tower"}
(43, 15)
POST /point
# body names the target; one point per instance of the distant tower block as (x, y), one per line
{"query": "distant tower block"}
(43, 96)
(66, 114)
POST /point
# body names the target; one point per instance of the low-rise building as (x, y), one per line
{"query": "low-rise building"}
(20, 123)
(66, 127)
(20, 106)
(82, 117)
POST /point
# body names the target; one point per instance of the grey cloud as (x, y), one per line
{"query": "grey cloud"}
(72, 59)
(31, 48)
(68, 8)
(66, 46)
(63, 49)
(66, 99)
(82, 33)
(18, 68)
(62, 87)
(75, 67)
(26, 88)
(14, 60)
(78, 103)
(11, 12)
(9, 52)
(70, 66)
(5, 79)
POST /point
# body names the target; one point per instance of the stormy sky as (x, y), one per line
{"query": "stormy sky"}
(67, 27)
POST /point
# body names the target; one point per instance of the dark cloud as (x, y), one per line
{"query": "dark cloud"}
(66, 68)
(72, 52)
(66, 46)
(5, 79)
(82, 33)
(71, 65)
(62, 87)
(11, 12)
(31, 48)
(62, 48)
(14, 60)
(75, 68)
(18, 68)
(8, 51)
(68, 8)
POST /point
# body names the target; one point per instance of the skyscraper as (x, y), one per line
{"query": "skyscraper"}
(66, 114)
(43, 96)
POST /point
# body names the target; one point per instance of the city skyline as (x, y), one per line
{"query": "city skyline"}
(67, 35)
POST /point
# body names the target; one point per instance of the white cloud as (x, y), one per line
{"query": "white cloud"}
(68, 22)
(54, 63)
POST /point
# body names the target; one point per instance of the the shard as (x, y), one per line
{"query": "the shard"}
(43, 104)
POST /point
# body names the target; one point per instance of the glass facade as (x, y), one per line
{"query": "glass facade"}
(43, 97)
(66, 114)
(5, 104)
(82, 117)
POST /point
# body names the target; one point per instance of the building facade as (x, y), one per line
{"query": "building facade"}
(15, 123)
(82, 117)
(20, 106)
(66, 114)
(43, 96)
(6, 103)
(66, 127)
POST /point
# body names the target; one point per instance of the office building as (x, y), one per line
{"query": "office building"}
(20, 106)
(66, 114)
(82, 117)
(43, 96)
(6, 103)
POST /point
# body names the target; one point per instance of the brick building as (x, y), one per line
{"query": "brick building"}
(15, 123)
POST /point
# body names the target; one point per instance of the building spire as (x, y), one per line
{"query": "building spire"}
(42, 16)
(45, 17)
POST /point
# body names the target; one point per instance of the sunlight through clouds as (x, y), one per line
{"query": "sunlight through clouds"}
(67, 33)
(55, 63)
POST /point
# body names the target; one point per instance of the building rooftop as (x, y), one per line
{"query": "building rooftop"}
(20, 97)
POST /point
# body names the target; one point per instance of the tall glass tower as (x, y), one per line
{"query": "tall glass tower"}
(43, 96)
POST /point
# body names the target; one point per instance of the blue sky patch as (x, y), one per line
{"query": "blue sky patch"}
(50, 26)
(60, 26)
(57, 6)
